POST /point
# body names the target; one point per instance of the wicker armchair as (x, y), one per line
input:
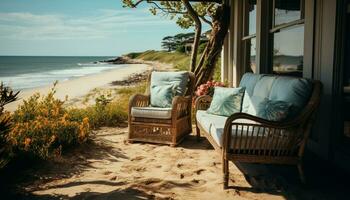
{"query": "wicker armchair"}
(267, 142)
(165, 131)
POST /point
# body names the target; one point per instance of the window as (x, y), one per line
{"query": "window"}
(249, 32)
(288, 37)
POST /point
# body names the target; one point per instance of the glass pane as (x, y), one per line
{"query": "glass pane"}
(251, 6)
(252, 62)
(287, 11)
(288, 51)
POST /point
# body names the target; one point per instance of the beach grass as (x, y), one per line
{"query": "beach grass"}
(108, 111)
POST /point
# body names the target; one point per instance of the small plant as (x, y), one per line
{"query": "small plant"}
(103, 100)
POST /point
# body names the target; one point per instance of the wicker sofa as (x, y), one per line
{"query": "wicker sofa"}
(244, 137)
(161, 125)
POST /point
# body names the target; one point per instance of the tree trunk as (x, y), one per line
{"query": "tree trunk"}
(205, 68)
(197, 36)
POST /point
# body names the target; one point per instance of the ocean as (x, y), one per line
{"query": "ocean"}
(26, 72)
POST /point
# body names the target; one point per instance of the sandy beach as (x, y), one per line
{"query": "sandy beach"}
(108, 168)
(78, 87)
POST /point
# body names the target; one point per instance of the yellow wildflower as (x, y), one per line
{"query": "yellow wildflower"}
(27, 142)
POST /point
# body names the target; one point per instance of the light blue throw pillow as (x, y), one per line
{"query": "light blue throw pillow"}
(274, 110)
(162, 96)
(226, 101)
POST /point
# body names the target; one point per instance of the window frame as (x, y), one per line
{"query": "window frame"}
(246, 39)
(289, 25)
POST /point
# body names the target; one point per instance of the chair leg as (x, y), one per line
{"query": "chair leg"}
(301, 173)
(226, 173)
(198, 133)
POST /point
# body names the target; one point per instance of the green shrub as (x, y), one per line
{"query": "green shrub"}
(133, 54)
(181, 49)
(42, 126)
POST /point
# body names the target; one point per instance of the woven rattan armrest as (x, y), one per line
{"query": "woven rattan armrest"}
(181, 106)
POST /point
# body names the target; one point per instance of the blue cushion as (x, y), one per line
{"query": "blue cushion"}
(226, 101)
(263, 86)
(166, 85)
(162, 96)
(214, 125)
(296, 91)
(254, 105)
(248, 81)
(274, 110)
(178, 80)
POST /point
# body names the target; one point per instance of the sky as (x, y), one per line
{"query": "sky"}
(79, 28)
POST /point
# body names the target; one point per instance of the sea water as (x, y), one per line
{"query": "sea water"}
(26, 72)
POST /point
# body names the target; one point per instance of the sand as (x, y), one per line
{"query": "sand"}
(79, 87)
(107, 167)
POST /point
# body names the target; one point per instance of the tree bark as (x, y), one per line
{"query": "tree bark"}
(197, 36)
(205, 68)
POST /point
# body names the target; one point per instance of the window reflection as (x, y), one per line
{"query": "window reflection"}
(288, 51)
(287, 11)
(252, 61)
(252, 17)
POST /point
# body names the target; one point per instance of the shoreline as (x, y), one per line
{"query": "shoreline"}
(78, 87)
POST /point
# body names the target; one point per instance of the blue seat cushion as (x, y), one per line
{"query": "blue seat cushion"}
(214, 125)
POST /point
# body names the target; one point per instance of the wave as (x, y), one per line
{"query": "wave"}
(38, 79)
(92, 63)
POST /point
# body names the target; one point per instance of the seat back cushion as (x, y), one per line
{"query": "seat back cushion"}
(226, 101)
(278, 93)
(248, 81)
(274, 110)
(296, 91)
(261, 91)
(165, 85)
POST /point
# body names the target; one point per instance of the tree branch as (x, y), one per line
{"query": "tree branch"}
(206, 21)
(167, 10)
(198, 24)
(134, 5)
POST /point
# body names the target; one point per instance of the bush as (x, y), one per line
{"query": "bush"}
(181, 49)
(42, 127)
(6, 96)
(133, 55)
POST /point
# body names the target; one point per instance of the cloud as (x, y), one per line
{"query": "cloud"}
(104, 23)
